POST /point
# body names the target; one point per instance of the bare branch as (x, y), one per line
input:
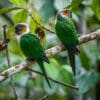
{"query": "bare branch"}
(8, 61)
(89, 37)
(3, 44)
(52, 51)
(56, 81)
(44, 97)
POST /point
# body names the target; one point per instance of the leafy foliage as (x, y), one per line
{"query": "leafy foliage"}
(6, 10)
(86, 81)
(29, 84)
(47, 13)
(19, 2)
(84, 59)
(73, 4)
(96, 8)
(36, 29)
(21, 16)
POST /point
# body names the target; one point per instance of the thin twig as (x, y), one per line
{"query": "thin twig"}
(40, 24)
(8, 61)
(2, 44)
(44, 97)
(56, 81)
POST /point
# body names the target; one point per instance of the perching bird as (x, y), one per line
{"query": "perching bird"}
(67, 33)
(31, 47)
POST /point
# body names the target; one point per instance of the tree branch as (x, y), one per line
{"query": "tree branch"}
(30, 14)
(52, 51)
(89, 37)
(8, 61)
(56, 81)
(3, 44)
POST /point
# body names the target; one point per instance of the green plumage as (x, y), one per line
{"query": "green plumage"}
(32, 49)
(66, 32)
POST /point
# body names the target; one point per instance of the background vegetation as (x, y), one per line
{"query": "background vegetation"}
(29, 85)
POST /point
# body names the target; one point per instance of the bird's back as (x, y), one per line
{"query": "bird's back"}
(66, 31)
(30, 46)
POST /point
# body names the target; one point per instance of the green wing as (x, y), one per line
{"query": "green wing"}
(66, 32)
(31, 47)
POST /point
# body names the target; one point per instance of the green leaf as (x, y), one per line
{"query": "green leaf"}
(8, 9)
(65, 76)
(73, 4)
(27, 1)
(52, 70)
(21, 76)
(98, 77)
(10, 33)
(49, 90)
(21, 16)
(85, 60)
(14, 44)
(47, 10)
(60, 4)
(86, 81)
(34, 25)
(96, 8)
(19, 2)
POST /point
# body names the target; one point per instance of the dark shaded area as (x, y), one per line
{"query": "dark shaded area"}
(98, 84)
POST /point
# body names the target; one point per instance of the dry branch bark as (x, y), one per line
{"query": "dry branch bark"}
(52, 51)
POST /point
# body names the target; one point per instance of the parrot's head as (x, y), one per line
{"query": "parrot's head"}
(21, 29)
(64, 14)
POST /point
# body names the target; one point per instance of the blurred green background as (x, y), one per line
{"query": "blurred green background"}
(31, 86)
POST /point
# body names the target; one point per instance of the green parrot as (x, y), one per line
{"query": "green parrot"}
(67, 33)
(31, 46)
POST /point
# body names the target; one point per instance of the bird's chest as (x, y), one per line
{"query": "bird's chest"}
(62, 30)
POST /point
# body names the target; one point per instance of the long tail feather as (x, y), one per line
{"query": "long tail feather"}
(44, 71)
(72, 61)
(72, 51)
(44, 58)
